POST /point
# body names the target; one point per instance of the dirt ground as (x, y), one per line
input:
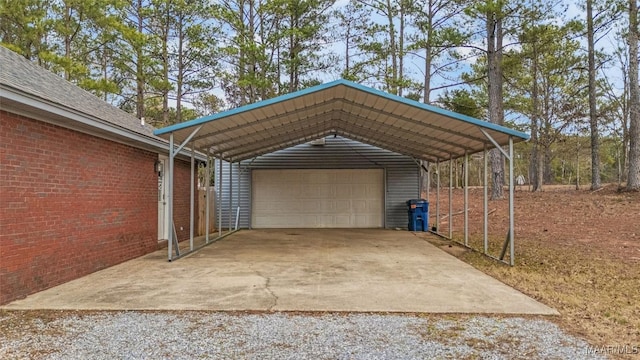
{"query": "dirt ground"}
(577, 251)
(605, 222)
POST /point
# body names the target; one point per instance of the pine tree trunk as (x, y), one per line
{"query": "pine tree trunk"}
(427, 99)
(496, 111)
(457, 177)
(633, 179)
(593, 115)
(578, 170)
(180, 77)
(533, 168)
(497, 171)
(536, 157)
(242, 60)
(392, 81)
(165, 67)
(538, 167)
(548, 173)
(400, 79)
(139, 67)
(67, 41)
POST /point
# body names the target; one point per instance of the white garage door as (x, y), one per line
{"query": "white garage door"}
(317, 198)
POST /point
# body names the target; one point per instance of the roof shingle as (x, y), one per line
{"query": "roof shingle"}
(23, 75)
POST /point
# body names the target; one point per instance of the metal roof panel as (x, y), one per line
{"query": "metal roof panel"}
(359, 112)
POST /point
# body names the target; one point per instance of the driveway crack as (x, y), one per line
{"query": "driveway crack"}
(267, 287)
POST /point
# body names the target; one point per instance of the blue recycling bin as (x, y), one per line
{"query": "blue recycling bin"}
(418, 211)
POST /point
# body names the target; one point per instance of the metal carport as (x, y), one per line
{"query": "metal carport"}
(350, 110)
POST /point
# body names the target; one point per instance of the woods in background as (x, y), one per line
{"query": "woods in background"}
(565, 72)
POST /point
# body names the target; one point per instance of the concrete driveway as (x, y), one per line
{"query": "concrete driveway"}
(295, 270)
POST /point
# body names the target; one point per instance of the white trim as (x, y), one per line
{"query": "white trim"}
(163, 208)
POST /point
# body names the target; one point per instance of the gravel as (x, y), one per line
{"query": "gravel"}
(197, 335)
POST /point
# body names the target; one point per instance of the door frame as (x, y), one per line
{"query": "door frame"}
(163, 208)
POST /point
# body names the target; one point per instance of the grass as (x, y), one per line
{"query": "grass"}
(597, 296)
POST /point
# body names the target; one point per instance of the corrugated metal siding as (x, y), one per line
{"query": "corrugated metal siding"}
(402, 185)
(240, 195)
(402, 176)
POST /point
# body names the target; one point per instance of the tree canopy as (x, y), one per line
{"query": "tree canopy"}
(564, 71)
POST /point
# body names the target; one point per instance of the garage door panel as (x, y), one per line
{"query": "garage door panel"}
(361, 192)
(320, 206)
(362, 221)
(343, 221)
(320, 191)
(317, 198)
(343, 191)
(361, 206)
(342, 206)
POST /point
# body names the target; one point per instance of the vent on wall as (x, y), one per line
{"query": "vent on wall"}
(318, 142)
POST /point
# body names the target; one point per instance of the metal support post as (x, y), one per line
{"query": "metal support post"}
(485, 200)
(428, 175)
(237, 218)
(466, 199)
(170, 201)
(511, 203)
(192, 198)
(239, 195)
(219, 201)
(230, 195)
(385, 199)
(207, 181)
(450, 196)
(173, 237)
(438, 195)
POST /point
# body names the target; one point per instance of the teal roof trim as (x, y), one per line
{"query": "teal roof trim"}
(241, 109)
(317, 88)
(437, 110)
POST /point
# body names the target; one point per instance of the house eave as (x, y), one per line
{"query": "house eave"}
(27, 105)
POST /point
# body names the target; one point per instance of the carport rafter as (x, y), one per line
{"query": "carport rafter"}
(393, 147)
(332, 127)
(400, 143)
(342, 117)
(495, 144)
(417, 122)
(279, 146)
(303, 123)
(395, 123)
(261, 121)
(348, 116)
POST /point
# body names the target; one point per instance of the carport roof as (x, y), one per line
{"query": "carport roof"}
(340, 108)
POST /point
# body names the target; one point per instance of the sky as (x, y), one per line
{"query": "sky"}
(415, 64)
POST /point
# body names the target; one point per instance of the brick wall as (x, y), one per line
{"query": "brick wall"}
(72, 204)
(182, 199)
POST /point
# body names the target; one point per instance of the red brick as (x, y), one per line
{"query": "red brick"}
(72, 204)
